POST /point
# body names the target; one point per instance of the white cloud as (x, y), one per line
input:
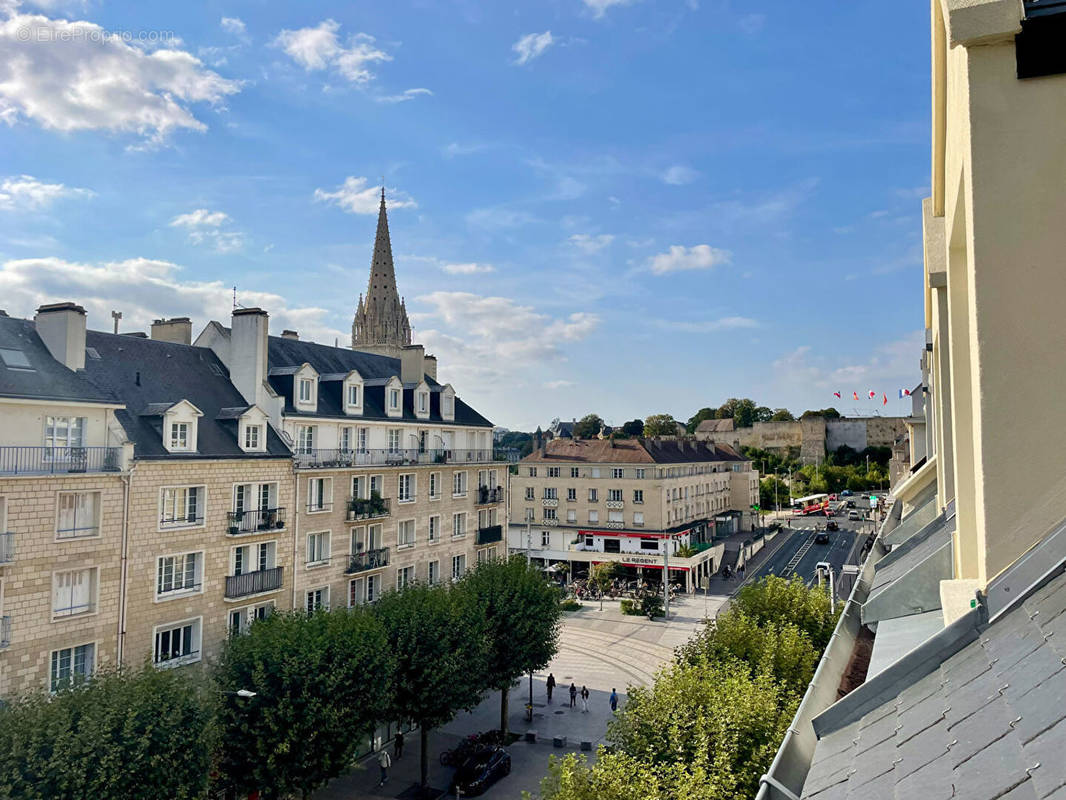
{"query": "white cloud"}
(407, 94)
(143, 290)
(24, 192)
(454, 149)
(470, 268)
(490, 337)
(700, 256)
(234, 25)
(206, 227)
(319, 48)
(892, 366)
(710, 325)
(679, 175)
(589, 243)
(357, 196)
(531, 46)
(600, 7)
(553, 385)
(73, 75)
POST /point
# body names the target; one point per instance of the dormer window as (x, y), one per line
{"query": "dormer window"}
(447, 403)
(253, 435)
(421, 400)
(353, 394)
(394, 398)
(179, 425)
(307, 390)
(179, 436)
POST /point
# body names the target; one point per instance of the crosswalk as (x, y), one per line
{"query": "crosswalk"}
(791, 566)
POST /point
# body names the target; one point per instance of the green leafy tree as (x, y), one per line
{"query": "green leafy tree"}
(773, 491)
(828, 413)
(601, 576)
(634, 427)
(120, 735)
(695, 420)
(777, 601)
(743, 411)
(313, 705)
(782, 415)
(521, 613)
(438, 635)
(762, 414)
(588, 427)
(660, 425)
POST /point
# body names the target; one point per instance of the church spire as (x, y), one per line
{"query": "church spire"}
(382, 319)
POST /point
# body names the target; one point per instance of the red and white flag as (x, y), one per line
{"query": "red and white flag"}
(837, 394)
(873, 394)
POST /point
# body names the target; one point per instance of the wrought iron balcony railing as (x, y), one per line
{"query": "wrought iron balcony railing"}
(261, 580)
(59, 460)
(369, 559)
(368, 508)
(256, 520)
(398, 457)
(7, 548)
(488, 496)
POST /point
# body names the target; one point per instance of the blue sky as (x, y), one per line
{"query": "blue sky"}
(622, 207)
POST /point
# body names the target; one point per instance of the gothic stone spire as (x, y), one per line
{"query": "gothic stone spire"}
(382, 318)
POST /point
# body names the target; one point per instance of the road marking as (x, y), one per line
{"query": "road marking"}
(791, 566)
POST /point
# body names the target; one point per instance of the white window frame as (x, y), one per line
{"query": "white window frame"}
(54, 685)
(545, 539)
(373, 582)
(246, 618)
(92, 594)
(195, 650)
(395, 398)
(356, 598)
(618, 472)
(324, 504)
(594, 516)
(640, 472)
(358, 401)
(433, 529)
(309, 385)
(638, 496)
(179, 522)
(431, 578)
(322, 602)
(255, 550)
(458, 566)
(406, 540)
(458, 531)
(179, 436)
(254, 432)
(52, 438)
(571, 515)
(406, 487)
(98, 513)
(184, 591)
(434, 486)
(405, 576)
(318, 544)
(459, 483)
(305, 439)
(395, 440)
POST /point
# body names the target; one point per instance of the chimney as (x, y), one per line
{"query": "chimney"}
(177, 330)
(61, 327)
(412, 363)
(248, 353)
(287, 334)
(430, 367)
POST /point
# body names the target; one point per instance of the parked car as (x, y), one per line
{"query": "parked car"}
(832, 497)
(846, 493)
(853, 515)
(832, 526)
(850, 504)
(480, 770)
(821, 538)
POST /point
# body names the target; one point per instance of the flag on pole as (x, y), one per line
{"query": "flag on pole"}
(837, 394)
(904, 393)
(884, 401)
(856, 395)
(873, 394)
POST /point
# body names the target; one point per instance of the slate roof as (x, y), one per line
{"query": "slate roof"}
(283, 355)
(149, 376)
(987, 722)
(632, 451)
(48, 379)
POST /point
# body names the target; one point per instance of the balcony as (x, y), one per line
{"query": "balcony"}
(615, 504)
(487, 496)
(371, 559)
(614, 525)
(260, 520)
(385, 457)
(59, 460)
(550, 502)
(7, 548)
(490, 534)
(5, 632)
(547, 521)
(373, 507)
(261, 580)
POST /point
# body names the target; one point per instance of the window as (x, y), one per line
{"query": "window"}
(433, 573)
(615, 516)
(249, 557)
(649, 544)
(530, 493)
(434, 529)
(447, 405)
(64, 432)
(406, 491)
(253, 435)
(532, 472)
(571, 495)
(571, 515)
(356, 592)
(529, 515)
(74, 592)
(594, 472)
(353, 394)
(361, 439)
(459, 524)
(346, 439)
(241, 619)
(319, 494)
(394, 398)
(404, 577)
(638, 518)
(373, 588)
(549, 513)
(458, 567)
(305, 439)
(553, 472)
(486, 554)
(551, 493)
(307, 390)
(317, 548)
(459, 484)
(594, 516)
(179, 574)
(79, 515)
(423, 402)
(405, 533)
(575, 472)
(255, 508)
(179, 435)
(593, 496)
(177, 643)
(640, 472)
(317, 599)
(394, 440)
(618, 472)
(376, 482)
(182, 506)
(614, 494)
(638, 495)
(71, 665)
(545, 538)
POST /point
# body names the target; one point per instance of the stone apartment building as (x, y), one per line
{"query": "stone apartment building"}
(631, 501)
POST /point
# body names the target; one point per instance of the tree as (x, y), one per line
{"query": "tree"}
(313, 704)
(122, 734)
(828, 413)
(762, 414)
(437, 634)
(695, 420)
(634, 427)
(602, 574)
(521, 614)
(660, 425)
(782, 415)
(588, 427)
(777, 601)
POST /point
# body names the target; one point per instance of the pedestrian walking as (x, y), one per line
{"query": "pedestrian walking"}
(573, 695)
(551, 685)
(585, 699)
(614, 700)
(397, 745)
(384, 762)
(742, 572)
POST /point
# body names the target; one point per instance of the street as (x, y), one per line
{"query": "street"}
(800, 554)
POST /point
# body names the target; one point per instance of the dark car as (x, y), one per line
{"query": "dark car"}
(846, 493)
(850, 504)
(821, 538)
(479, 771)
(832, 526)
